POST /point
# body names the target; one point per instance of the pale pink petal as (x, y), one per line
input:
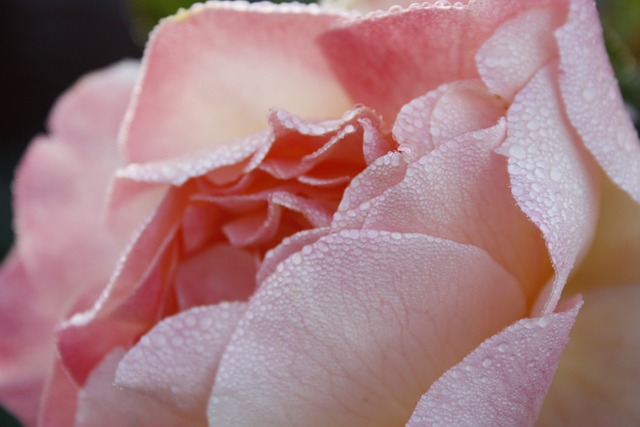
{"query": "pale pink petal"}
(89, 115)
(460, 191)
(40, 278)
(518, 49)
(367, 5)
(412, 126)
(176, 361)
(102, 403)
(353, 329)
(26, 347)
(504, 381)
(218, 273)
(286, 248)
(133, 300)
(373, 181)
(178, 170)
(553, 180)
(598, 379)
(464, 107)
(592, 97)
(212, 73)
(387, 59)
(449, 111)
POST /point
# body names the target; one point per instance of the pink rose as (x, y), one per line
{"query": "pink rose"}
(329, 218)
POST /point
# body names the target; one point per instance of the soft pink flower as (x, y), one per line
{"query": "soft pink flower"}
(297, 215)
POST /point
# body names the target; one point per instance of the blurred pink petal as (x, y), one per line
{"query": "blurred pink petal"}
(43, 279)
(102, 403)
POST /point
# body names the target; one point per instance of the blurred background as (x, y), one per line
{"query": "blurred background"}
(47, 44)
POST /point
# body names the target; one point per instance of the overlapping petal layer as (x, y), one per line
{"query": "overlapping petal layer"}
(348, 331)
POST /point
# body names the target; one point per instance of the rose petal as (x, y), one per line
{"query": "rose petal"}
(504, 381)
(40, 282)
(463, 107)
(134, 299)
(102, 403)
(592, 97)
(518, 49)
(368, 5)
(553, 180)
(460, 191)
(219, 273)
(370, 183)
(228, 63)
(59, 399)
(598, 379)
(83, 144)
(347, 331)
(176, 361)
(388, 59)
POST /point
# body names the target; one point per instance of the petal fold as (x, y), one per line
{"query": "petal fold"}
(352, 329)
(504, 381)
(227, 64)
(176, 362)
(553, 179)
(592, 97)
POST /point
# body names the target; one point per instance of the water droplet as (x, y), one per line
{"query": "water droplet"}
(158, 340)
(517, 152)
(487, 362)
(589, 94)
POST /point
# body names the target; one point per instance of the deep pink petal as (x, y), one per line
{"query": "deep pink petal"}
(598, 379)
(504, 381)
(26, 347)
(102, 403)
(592, 97)
(59, 398)
(553, 180)
(134, 299)
(227, 64)
(176, 361)
(219, 273)
(353, 329)
(388, 59)
(518, 49)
